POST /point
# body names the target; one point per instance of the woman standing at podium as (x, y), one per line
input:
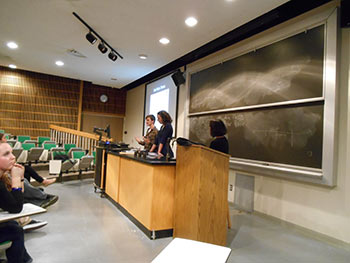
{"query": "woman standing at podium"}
(162, 143)
(149, 139)
(218, 131)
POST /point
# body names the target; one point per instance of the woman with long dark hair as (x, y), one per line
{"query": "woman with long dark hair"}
(162, 143)
(11, 200)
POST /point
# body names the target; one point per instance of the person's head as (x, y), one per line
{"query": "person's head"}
(150, 119)
(217, 128)
(2, 137)
(7, 159)
(164, 117)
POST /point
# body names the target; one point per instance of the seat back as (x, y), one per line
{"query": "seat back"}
(78, 154)
(57, 151)
(30, 141)
(67, 165)
(94, 155)
(42, 139)
(74, 149)
(28, 146)
(67, 147)
(12, 142)
(49, 146)
(49, 142)
(85, 162)
(17, 152)
(34, 154)
(2, 131)
(22, 138)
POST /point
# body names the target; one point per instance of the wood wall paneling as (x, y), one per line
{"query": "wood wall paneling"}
(30, 102)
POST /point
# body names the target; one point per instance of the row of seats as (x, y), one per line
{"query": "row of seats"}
(27, 152)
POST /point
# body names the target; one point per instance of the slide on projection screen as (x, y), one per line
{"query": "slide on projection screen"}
(161, 95)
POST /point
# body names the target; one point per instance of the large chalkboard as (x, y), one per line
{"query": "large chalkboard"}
(290, 69)
(291, 135)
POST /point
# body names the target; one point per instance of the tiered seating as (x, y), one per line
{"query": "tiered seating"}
(73, 159)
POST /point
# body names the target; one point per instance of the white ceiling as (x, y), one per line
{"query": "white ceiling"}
(46, 29)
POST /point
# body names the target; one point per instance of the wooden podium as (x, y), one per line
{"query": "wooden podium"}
(201, 204)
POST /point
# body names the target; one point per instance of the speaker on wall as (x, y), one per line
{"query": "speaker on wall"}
(344, 13)
(178, 78)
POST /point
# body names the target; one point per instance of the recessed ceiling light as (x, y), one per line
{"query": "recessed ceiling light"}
(12, 45)
(164, 41)
(59, 63)
(191, 21)
(143, 56)
(12, 66)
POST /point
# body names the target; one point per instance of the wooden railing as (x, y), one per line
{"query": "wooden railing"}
(85, 140)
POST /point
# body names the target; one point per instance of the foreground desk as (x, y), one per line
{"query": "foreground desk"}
(144, 191)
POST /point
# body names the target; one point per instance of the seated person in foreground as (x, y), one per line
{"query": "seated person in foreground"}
(12, 201)
(30, 172)
(149, 139)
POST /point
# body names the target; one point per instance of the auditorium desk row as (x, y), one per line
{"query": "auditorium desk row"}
(144, 190)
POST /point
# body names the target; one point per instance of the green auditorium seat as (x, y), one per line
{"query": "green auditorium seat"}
(43, 139)
(2, 131)
(28, 146)
(48, 146)
(67, 147)
(22, 138)
(78, 154)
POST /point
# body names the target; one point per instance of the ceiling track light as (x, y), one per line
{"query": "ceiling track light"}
(92, 38)
(102, 48)
(112, 56)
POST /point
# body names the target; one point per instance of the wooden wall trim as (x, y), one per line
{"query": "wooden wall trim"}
(40, 88)
(80, 104)
(36, 96)
(104, 114)
(24, 128)
(27, 120)
(38, 104)
(36, 112)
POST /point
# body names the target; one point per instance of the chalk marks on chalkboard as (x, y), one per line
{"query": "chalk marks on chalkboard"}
(291, 135)
(290, 69)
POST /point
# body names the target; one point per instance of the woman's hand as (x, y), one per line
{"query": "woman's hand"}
(17, 171)
(17, 175)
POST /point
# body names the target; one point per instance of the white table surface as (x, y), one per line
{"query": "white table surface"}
(28, 210)
(184, 250)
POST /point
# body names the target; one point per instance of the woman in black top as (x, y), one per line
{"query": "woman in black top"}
(218, 131)
(165, 133)
(11, 200)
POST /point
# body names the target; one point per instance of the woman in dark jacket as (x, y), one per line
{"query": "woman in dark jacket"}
(11, 200)
(218, 131)
(162, 143)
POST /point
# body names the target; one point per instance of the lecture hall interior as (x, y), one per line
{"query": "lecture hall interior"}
(174, 131)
